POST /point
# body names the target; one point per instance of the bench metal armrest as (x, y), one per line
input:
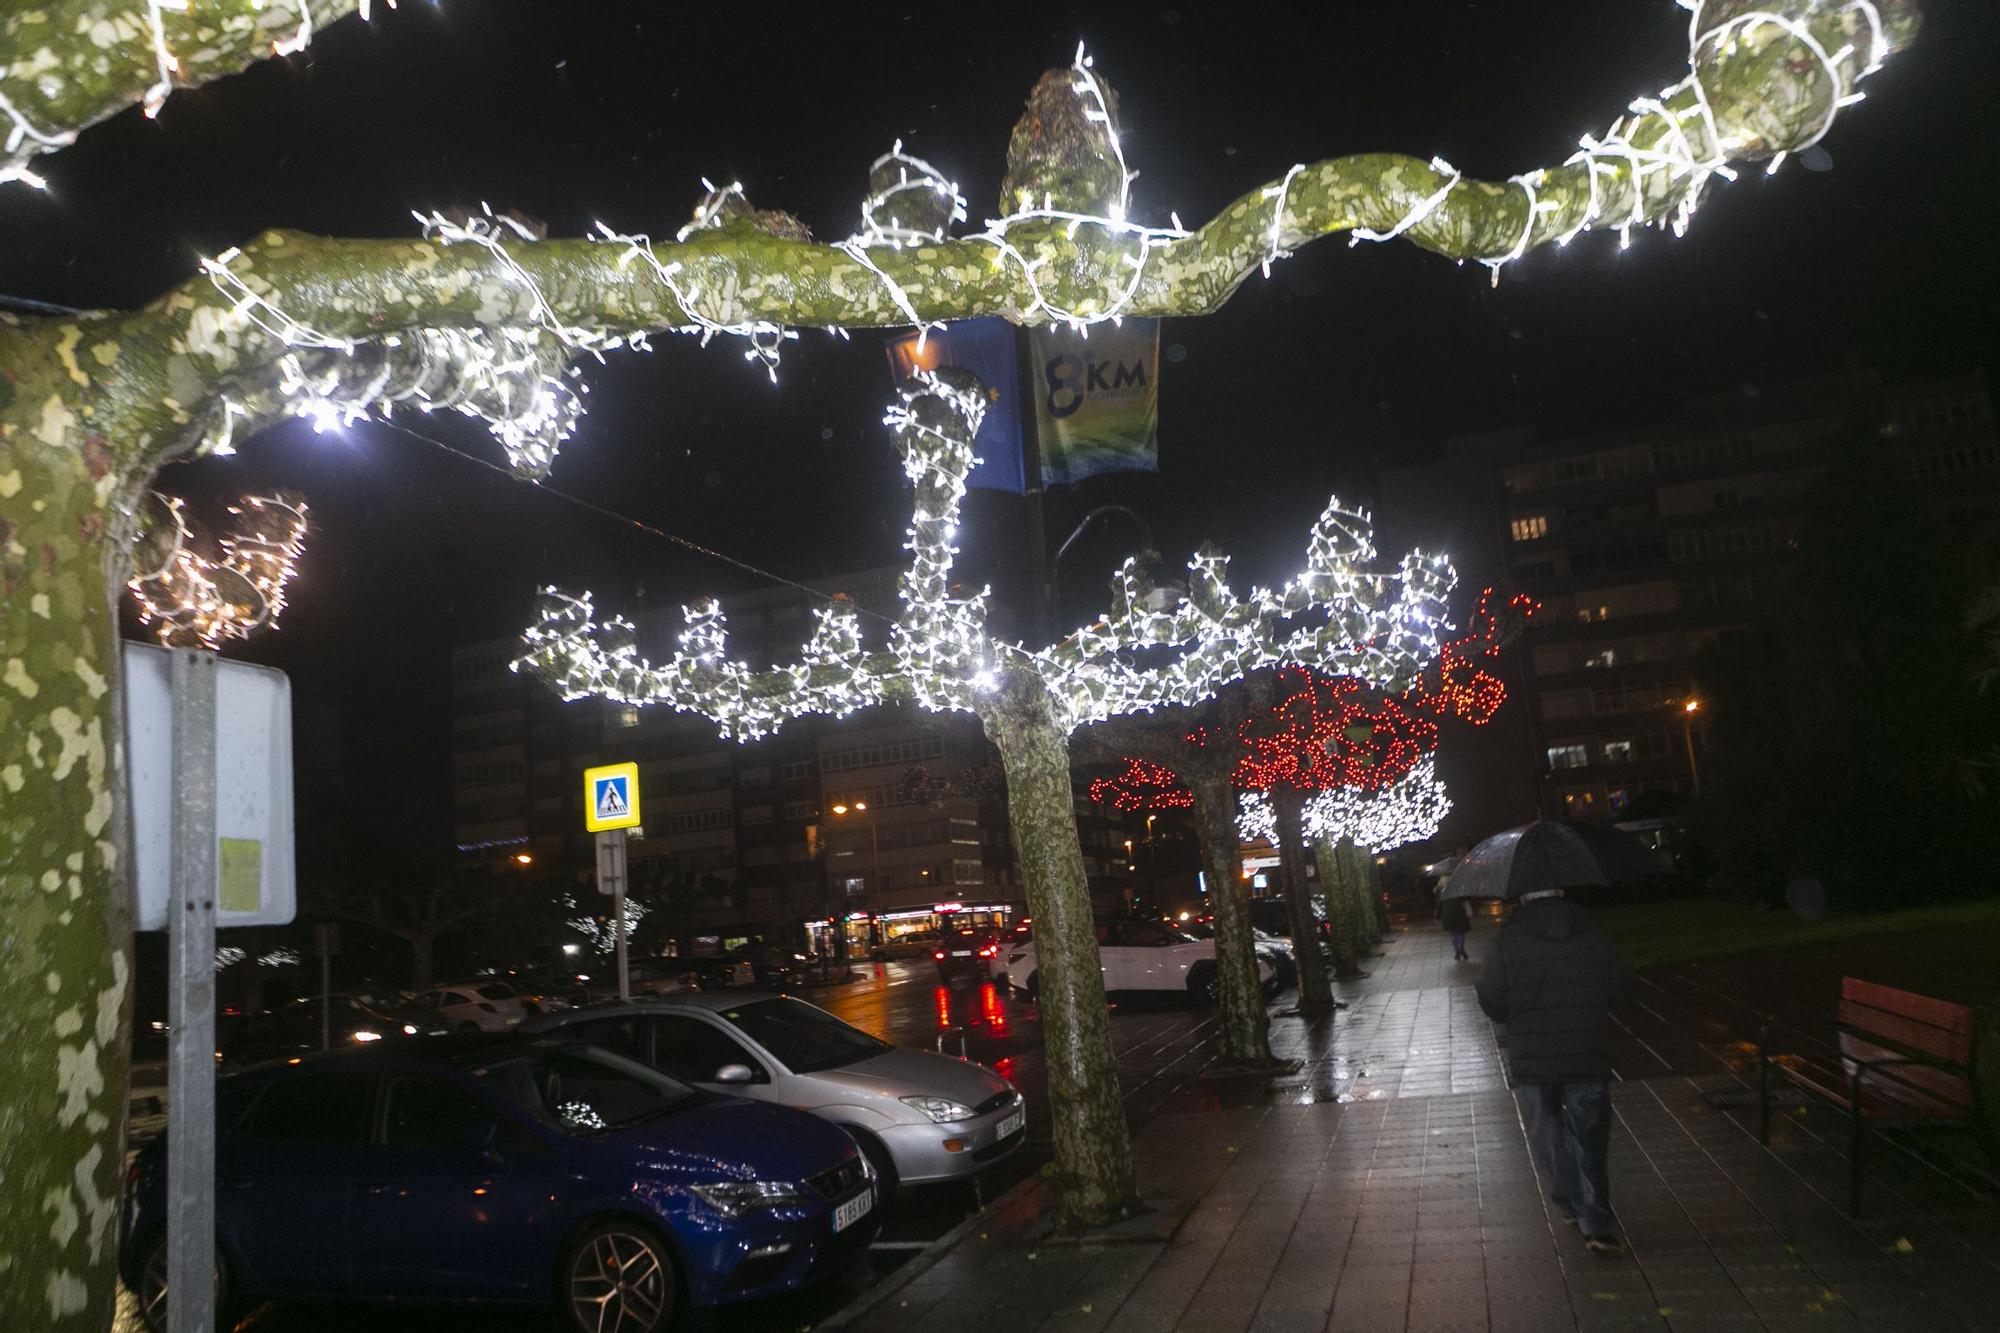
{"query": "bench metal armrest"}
(1800, 1026)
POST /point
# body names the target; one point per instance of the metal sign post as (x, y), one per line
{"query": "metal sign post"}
(191, 999)
(326, 943)
(611, 880)
(610, 806)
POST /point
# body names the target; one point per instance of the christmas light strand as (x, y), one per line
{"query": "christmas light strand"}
(1633, 176)
(189, 600)
(23, 140)
(1409, 810)
(1156, 648)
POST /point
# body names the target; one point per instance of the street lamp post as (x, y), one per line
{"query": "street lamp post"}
(1688, 711)
(875, 860)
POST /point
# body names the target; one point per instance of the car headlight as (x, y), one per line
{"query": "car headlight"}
(734, 1198)
(940, 1109)
(364, 1034)
(409, 1029)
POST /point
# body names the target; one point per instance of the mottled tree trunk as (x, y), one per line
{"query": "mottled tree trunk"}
(1332, 880)
(1315, 990)
(1093, 1154)
(1368, 876)
(1246, 1027)
(65, 920)
(423, 953)
(1357, 918)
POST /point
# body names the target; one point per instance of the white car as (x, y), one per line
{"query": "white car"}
(918, 1117)
(486, 1005)
(1139, 956)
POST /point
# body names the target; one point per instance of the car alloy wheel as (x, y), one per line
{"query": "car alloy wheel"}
(621, 1280)
(1205, 984)
(152, 1291)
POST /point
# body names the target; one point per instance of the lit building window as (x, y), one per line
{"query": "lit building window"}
(1617, 752)
(627, 716)
(1568, 756)
(1528, 529)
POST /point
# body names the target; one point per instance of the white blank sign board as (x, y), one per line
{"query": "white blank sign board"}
(256, 871)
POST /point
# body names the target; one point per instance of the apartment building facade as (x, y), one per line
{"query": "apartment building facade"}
(1649, 543)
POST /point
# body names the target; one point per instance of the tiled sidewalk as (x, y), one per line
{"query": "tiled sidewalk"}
(1389, 1186)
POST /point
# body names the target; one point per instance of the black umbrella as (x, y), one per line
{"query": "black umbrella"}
(1551, 854)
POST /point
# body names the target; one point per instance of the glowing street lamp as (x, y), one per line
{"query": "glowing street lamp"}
(523, 858)
(1688, 711)
(874, 854)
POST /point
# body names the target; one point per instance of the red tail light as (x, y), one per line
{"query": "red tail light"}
(938, 954)
(989, 951)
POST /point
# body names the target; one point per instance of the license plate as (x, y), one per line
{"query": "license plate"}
(961, 953)
(853, 1210)
(1013, 1123)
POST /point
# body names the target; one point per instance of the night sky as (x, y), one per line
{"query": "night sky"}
(1346, 359)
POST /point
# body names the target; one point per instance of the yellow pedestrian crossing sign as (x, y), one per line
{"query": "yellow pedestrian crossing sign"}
(611, 797)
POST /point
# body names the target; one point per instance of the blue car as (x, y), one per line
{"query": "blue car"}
(507, 1170)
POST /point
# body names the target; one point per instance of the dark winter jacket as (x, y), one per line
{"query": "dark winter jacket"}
(1455, 916)
(1553, 979)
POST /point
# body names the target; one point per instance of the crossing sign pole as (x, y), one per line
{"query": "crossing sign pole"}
(611, 806)
(611, 880)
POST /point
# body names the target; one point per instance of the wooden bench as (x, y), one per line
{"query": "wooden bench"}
(1905, 1060)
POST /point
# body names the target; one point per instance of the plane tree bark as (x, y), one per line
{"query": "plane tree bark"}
(1208, 774)
(479, 318)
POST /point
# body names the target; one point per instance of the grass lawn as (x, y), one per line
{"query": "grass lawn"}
(1690, 930)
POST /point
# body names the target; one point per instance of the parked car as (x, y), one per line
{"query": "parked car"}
(1273, 916)
(546, 989)
(716, 971)
(507, 1170)
(967, 951)
(916, 944)
(485, 1005)
(294, 1028)
(1139, 955)
(920, 1117)
(1273, 949)
(1277, 950)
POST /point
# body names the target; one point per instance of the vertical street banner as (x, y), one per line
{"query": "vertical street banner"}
(986, 348)
(1097, 399)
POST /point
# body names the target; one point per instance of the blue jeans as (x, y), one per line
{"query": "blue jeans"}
(1569, 1128)
(1457, 943)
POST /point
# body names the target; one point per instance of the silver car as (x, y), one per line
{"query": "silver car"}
(919, 1117)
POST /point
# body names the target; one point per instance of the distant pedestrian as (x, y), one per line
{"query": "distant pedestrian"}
(1553, 979)
(1456, 917)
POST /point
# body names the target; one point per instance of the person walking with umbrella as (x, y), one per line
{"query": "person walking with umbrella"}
(1456, 917)
(1553, 979)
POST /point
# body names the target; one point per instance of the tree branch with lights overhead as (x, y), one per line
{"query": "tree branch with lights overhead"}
(482, 317)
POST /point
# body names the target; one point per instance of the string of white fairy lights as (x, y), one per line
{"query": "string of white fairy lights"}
(1345, 614)
(24, 140)
(512, 379)
(191, 599)
(1409, 810)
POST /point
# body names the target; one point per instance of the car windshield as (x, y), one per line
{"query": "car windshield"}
(804, 1039)
(581, 1090)
(497, 991)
